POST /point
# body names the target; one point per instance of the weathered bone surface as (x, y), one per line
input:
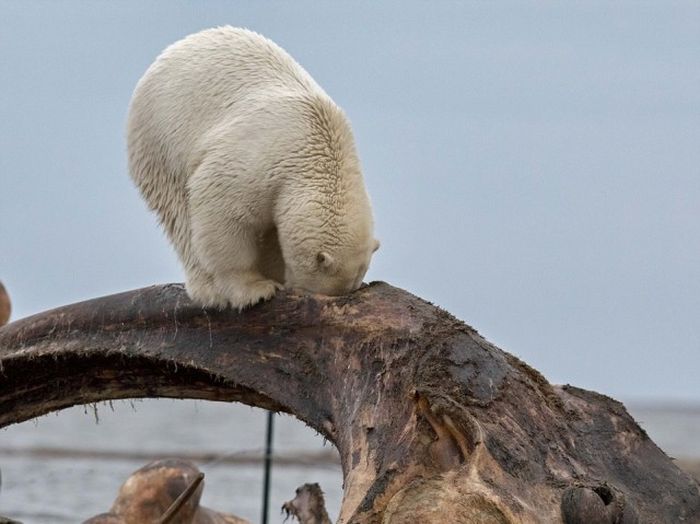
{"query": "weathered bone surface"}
(433, 423)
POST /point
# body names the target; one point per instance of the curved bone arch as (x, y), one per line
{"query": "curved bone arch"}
(433, 423)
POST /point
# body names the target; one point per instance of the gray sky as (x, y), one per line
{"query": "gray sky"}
(534, 167)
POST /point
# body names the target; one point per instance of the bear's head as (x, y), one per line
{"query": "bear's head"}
(331, 269)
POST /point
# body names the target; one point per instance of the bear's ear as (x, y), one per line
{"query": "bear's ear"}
(376, 245)
(324, 260)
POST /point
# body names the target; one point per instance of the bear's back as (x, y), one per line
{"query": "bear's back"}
(225, 65)
(215, 75)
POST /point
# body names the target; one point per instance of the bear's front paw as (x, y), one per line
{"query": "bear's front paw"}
(250, 293)
(202, 290)
(234, 289)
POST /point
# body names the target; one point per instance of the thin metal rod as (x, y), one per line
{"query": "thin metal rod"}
(181, 499)
(268, 465)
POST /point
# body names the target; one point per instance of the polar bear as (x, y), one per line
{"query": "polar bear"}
(251, 169)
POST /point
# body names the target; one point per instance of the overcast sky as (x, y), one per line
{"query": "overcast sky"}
(534, 167)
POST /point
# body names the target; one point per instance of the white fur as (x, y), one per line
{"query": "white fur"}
(251, 168)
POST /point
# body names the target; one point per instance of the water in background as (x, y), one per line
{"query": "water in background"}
(42, 486)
